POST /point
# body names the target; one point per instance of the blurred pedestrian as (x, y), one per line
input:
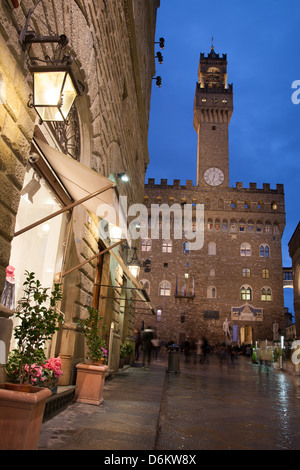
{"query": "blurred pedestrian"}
(186, 349)
(147, 347)
(138, 344)
(198, 351)
(204, 350)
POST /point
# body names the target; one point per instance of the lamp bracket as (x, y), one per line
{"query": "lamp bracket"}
(30, 37)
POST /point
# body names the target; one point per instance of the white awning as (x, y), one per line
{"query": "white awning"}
(79, 180)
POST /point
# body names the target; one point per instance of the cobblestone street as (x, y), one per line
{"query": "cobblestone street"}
(233, 406)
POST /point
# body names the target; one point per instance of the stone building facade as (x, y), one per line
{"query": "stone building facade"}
(294, 251)
(112, 45)
(235, 275)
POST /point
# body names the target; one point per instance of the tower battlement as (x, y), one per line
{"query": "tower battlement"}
(188, 184)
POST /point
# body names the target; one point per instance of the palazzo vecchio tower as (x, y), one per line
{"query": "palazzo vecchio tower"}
(237, 274)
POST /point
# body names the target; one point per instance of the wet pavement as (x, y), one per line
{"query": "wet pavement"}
(204, 407)
(237, 405)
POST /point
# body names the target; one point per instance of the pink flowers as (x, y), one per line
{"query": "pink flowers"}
(51, 369)
(54, 364)
(104, 352)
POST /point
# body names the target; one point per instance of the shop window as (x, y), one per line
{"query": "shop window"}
(40, 249)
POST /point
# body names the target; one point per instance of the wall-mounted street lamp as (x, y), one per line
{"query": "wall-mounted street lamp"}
(55, 86)
(158, 81)
(135, 265)
(123, 177)
(161, 43)
(159, 57)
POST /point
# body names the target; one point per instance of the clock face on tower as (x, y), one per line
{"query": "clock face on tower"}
(214, 176)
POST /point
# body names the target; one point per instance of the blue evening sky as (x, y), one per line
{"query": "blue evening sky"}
(262, 42)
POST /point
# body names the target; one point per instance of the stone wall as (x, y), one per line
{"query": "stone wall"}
(112, 43)
(261, 222)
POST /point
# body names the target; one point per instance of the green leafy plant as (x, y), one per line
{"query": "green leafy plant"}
(93, 330)
(38, 321)
(126, 349)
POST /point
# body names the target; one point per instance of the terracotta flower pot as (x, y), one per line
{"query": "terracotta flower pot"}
(89, 383)
(21, 414)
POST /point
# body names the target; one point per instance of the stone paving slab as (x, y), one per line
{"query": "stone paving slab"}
(127, 419)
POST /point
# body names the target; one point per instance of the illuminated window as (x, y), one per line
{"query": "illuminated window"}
(266, 294)
(165, 288)
(167, 246)
(246, 293)
(245, 272)
(146, 244)
(265, 274)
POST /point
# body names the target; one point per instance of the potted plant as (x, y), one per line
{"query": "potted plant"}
(91, 375)
(43, 375)
(22, 404)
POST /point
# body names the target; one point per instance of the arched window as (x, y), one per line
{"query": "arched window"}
(265, 274)
(245, 249)
(264, 251)
(165, 288)
(146, 244)
(146, 285)
(246, 293)
(266, 294)
(167, 246)
(212, 248)
(245, 272)
(211, 292)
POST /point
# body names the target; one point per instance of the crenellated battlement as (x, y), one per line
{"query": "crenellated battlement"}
(188, 184)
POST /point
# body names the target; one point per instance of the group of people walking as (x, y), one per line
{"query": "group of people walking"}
(200, 350)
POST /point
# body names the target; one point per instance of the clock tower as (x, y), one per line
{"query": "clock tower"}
(213, 107)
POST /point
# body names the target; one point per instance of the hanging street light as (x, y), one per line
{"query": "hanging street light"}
(55, 86)
(135, 265)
